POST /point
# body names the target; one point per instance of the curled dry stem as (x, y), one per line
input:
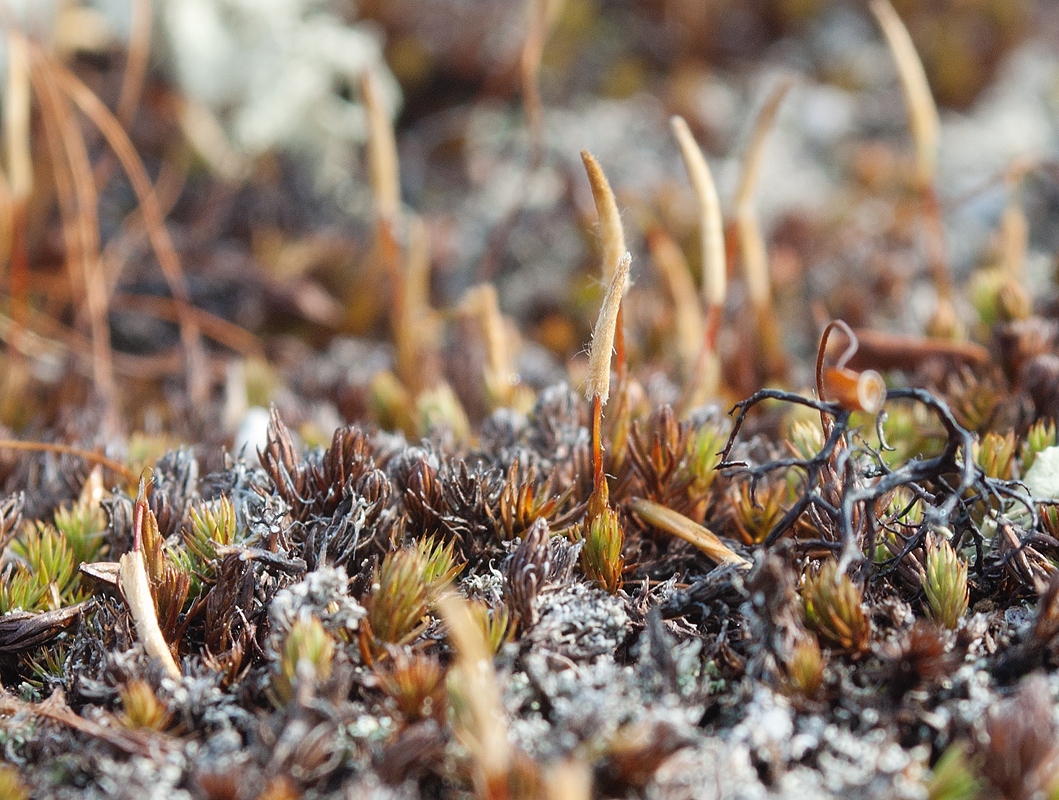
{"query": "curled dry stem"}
(854, 391)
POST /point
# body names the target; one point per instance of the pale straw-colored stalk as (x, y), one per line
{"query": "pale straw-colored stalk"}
(924, 125)
(483, 305)
(688, 318)
(132, 579)
(540, 16)
(16, 118)
(704, 379)
(611, 231)
(714, 260)
(752, 245)
(383, 165)
(19, 171)
(922, 112)
(603, 334)
(482, 727)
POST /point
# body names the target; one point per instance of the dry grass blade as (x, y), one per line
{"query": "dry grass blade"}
(92, 107)
(757, 268)
(704, 378)
(7, 219)
(133, 79)
(207, 137)
(924, 124)
(417, 270)
(416, 335)
(384, 176)
(19, 163)
(569, 780)
(216, 328)
(691, 532)
(1014, 237)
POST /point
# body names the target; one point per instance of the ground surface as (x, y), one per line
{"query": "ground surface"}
(402, 581)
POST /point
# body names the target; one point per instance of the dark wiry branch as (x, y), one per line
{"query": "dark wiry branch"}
(957, 457)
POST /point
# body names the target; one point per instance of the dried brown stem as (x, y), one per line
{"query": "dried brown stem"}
(142, 14)
(56, 710)
(92, 107)
(66, 450)
(18, 167)
(883, 351)
(78, 202)
(540, 14)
